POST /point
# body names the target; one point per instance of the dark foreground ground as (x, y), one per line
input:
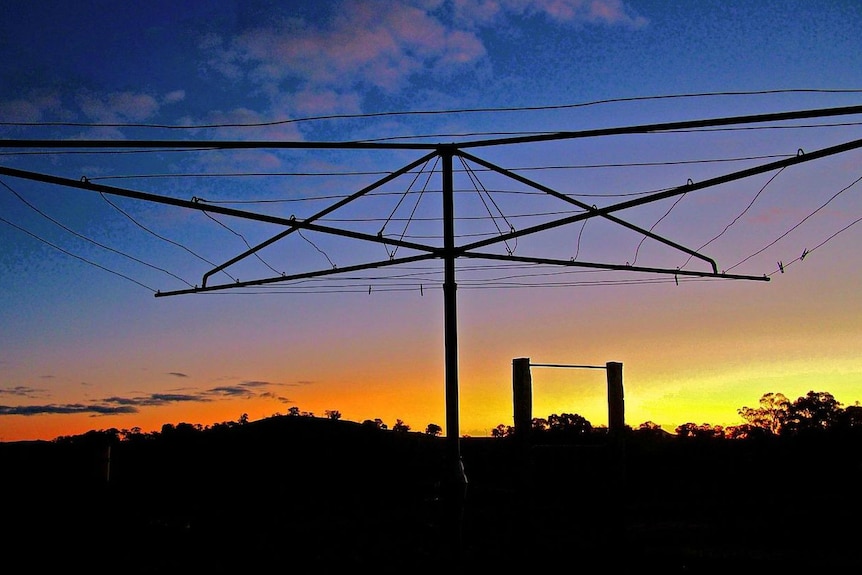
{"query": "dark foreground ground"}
(333, 497)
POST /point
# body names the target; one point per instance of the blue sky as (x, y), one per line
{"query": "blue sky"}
(86, 345)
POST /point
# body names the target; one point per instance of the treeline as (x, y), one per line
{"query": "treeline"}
(817, 412)
(184, 430)
(342, 493)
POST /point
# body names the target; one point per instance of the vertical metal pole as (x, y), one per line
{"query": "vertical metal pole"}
(455, 479)
(522, 397)
(450, 317)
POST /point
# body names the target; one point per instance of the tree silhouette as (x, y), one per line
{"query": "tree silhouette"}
(333, 414)
(851, 418)
(400, 426)
(569, 423)
(433, 429)
(539, 424)
(703, 431)
(815, 411)
(771, 414)
(376, 423)
(742, 431)
(651, 430)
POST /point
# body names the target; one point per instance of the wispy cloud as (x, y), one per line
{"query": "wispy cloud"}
(174, 97)
(300, 67)
(308, 68)
(34, 108)
(367, 44)
(157, 399)
(91, 107)
(258, 383)
(231, 391)
(22, 391)
(606, 12)
(249, 389)
(65, 409)
(380, 43)
(276, 397)
(117, 405)
(177, 374)
(117, 106)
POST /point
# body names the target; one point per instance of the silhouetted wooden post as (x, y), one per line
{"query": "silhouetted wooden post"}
(522, 397)
(616, 402)
(617, 446)
(522, 402)
(108, 465)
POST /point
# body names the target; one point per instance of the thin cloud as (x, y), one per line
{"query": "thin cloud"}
(65, 409)
(606, 12)
(247, 389)
(609, 12)
(157, 399)
(111, 108)
(378, 44)
(22, 391)
(174, 97)
(177, 374)
(231, 391)
(320, 67)
(35, 108)
(163, 398)
(117, 405)
(310, 101)
(118, 107)
(276, 397)
(258, 383)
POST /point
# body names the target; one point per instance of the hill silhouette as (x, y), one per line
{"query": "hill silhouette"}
(306, 492)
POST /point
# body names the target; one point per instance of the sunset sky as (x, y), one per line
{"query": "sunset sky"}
(85, 344)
